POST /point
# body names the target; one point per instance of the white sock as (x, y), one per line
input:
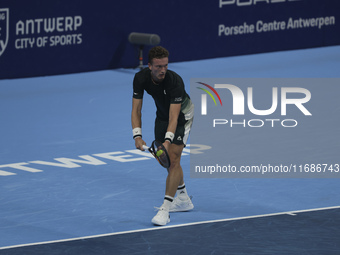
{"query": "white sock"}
(182, 192)
(167, 202)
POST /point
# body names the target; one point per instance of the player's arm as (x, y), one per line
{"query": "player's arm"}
(136, 122)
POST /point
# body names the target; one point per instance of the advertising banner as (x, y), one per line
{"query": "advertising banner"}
(57, 37)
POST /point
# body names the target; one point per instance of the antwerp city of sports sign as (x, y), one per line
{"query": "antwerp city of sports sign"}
(40, 32)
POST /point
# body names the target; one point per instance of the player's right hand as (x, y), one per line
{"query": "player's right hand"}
(139, 142)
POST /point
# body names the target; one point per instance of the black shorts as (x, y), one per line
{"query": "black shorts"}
(181, 134)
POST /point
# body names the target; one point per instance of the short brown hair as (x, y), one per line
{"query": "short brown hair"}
(157, 52)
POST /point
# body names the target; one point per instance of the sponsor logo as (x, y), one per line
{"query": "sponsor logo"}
(4, 22)
(241, 3)
(178, 99)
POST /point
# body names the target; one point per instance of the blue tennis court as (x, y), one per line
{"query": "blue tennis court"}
(73, 183)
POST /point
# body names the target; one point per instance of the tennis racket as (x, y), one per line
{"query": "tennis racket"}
(158, 150)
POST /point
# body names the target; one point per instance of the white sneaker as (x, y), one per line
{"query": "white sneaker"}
(161, 218)
(181, 205)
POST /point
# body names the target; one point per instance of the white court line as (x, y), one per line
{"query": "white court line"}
(292, 213)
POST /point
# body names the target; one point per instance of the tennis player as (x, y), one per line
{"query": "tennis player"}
(174, 118)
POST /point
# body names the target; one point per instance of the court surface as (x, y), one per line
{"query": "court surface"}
(71, 181)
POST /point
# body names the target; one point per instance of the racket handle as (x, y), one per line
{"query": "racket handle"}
(145, 147)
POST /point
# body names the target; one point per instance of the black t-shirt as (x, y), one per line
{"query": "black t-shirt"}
(170, 91)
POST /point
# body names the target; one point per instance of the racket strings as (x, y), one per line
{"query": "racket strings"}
(159, 152)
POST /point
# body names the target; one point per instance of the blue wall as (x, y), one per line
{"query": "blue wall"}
(39, 37)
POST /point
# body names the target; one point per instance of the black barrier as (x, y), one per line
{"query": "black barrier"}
(142, 39)
(57, 37)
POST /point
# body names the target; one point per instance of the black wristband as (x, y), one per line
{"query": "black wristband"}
(135, 136)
